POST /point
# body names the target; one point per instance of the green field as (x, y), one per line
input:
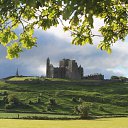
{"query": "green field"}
(99, 123)
(43, 116)
(105, 99)
(21, 78)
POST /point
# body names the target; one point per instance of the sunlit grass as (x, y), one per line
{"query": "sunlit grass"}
(21, 78)
(25, 115)
(99, 123)
(106, 99)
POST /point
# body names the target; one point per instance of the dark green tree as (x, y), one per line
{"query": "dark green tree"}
(83, 110)
(13, 98)
(80, 15)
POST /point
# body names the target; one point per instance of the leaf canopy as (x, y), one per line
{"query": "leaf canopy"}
(46, 13)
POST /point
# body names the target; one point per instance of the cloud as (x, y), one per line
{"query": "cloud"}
(55, 44)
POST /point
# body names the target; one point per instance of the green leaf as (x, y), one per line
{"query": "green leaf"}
(13, 51)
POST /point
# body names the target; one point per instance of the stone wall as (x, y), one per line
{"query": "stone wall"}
(67, 69)
(81, 82)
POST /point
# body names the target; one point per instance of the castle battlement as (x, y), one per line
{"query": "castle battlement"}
(67, 69)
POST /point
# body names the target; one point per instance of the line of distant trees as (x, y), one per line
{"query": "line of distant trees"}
(122, 78)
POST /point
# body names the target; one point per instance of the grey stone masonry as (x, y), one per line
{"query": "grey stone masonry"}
(67, 69)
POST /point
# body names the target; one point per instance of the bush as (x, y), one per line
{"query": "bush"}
(13, 98)
(5, 99)
(29, 102)
(76, 110)
(40, 94)
(101, 108)
(52, 102)
(80, 100)
(26, 80)
(3, 93)
(10, 105)
(49, 108)
(74, 99)
(115, 78)
(38, 100)
(83, 110)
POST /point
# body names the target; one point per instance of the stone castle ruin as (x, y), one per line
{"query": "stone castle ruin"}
(67, 69)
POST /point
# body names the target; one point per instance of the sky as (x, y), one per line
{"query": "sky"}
(56, 44)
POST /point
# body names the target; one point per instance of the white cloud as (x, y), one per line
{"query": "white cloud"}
(42, 69)
(59, 33)
(55, 44)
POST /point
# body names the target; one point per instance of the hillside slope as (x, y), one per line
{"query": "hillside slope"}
(61, 96)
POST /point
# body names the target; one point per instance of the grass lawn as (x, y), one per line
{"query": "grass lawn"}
(21, 78)
(99, 123)
(105, 99)
(25, 115)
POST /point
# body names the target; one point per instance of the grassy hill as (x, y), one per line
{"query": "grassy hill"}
(37, 97)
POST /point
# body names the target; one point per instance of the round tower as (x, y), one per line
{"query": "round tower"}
(48, 68)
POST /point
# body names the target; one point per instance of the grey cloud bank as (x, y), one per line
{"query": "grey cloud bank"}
(33, 62)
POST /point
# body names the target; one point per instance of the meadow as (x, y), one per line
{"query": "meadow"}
(106, 99)
(36, 116)
(99, 123)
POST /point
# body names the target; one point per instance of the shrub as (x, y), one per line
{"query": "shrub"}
(26, 80)
(74, 99)
(29, 102)
(3, 93)
(83, 110)
(49, 108)
(40, 94)
(101, 108)
(76, 110)
(5, 99)
(52, 102)
(80, 100)
(10, 105)
(115, 77)
(38, 100)
(13, 98)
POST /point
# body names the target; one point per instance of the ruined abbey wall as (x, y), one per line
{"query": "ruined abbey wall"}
(67, 69)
